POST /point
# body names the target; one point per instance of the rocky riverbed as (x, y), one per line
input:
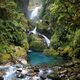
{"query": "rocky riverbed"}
(67, 71)
(18, 72)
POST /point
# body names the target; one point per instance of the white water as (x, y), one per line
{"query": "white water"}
(35, 12)
(33, 31)
(46, 40)
(11, 73)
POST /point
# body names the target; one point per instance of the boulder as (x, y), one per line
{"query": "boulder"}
(1, 78)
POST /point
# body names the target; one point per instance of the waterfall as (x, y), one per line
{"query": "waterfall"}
(33, 31)
(46, 40)
(35, 12)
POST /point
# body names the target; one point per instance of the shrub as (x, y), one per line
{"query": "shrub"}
(37, 45)
(51, 52)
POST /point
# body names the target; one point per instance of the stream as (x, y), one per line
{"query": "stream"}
(18, 71)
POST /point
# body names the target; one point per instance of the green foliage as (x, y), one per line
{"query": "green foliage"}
(13, 27)
(66, 51)
(76, 39)
(37, 46)
(11, 24)
(51, 52)
(55, 41)
(63, 18)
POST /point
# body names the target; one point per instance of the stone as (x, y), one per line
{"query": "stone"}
(36, 70)
(42, 78)
(53, 77)
(20, 76)
(23, 61)
(78, 77)
(69, 64)
(2, 73)
(64, 71)
(62, 75)
(1, 78)
(24, 72)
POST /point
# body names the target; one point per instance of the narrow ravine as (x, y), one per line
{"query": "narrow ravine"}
(52, 58)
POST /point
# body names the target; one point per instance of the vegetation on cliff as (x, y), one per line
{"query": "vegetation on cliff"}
(12, 29)
(61, 20)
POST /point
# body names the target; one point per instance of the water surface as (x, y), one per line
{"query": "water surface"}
(36, 58)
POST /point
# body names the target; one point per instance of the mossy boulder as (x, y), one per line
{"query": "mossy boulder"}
(65, 51)
(51, 52)
(37, 45)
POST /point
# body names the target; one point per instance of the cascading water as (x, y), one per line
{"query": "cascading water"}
(34, 16)
(34, 8)
(11, 72)
(33, 31)
(46, 40)
(35, 12)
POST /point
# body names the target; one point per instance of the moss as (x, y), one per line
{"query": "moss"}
(17, 51)
(66, 51)
(51, 52)
(4, 58)
(37, 45)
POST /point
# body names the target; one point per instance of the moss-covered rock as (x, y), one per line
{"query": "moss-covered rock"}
(51, 52)
(37, 45)
(66, 51)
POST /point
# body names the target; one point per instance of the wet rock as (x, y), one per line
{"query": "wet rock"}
(23, 61)
(53, 77)
(36, 70)
(20, 76)
(78, 77)
(64, 71)
(42, 78)
(24, 72)
(2, 73)
(62, 75)
(1, 78)
(71, 64)
(19, 70)
(31, 74)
